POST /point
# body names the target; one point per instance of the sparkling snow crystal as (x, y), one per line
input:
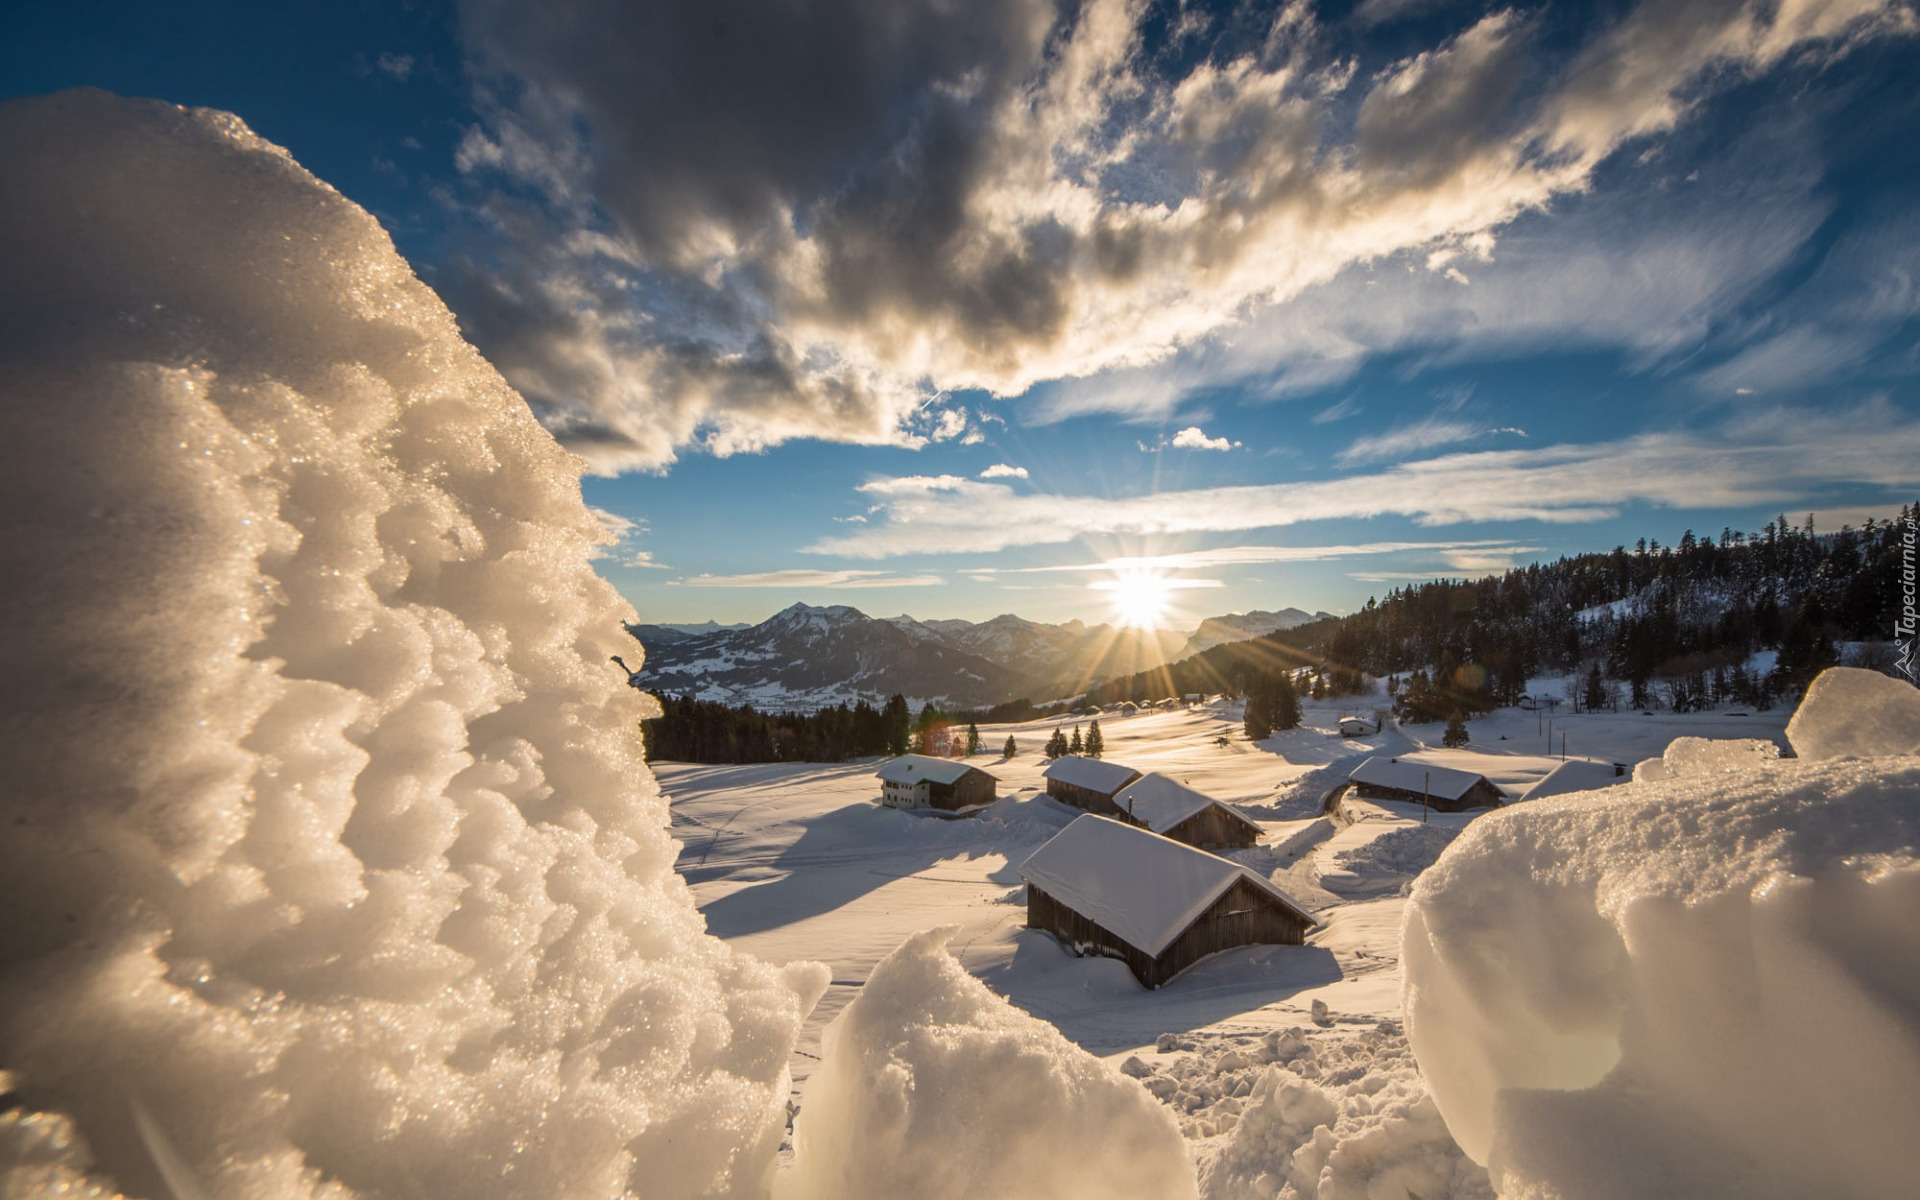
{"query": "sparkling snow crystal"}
(328, 842)
(1703, 985)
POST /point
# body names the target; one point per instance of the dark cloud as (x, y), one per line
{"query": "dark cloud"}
(738, 222)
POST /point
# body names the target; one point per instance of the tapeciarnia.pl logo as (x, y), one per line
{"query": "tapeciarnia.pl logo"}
(1903, 629)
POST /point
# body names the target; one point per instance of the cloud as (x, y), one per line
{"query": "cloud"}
(1429, 434)
(1338, 412)
(399, 66)
(617, 534)
(802, 578)
(1237, 556)
(1004, 471)
(680, 238)
(1191, 438)
(1763, 459)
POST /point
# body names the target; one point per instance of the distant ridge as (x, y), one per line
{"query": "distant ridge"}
(808, 657)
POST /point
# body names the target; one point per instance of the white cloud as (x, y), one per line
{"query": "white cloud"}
(399, 66)
(802, 578)
(1234, 556)
(1004, 471)
(786, 261)
(1777, 458)
(1338, 412)
(1192, 438)
(1428, 434)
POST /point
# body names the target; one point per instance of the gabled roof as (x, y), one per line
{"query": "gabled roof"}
(1091, 773)
(1163, 803)
(914, 768)
(1137, 885)
(1574, 775)
(1443, 782)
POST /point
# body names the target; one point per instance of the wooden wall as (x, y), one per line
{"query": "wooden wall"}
(1243, 916)
(1087, 798)
(975, 787)
(1214, 826)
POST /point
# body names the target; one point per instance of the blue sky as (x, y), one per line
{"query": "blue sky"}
(945, 309)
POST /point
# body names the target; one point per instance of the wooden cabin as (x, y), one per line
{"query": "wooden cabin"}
(1088, 783)
(921, 781)
(1442, 788)
(1358, 726)
(1102, 886)
(1172, 809)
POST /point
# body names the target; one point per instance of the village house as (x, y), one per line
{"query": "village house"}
(1172, 809)
(1104, 887)
(1358, 726)
(920, 781)
(1441, 788)
(1576, 775)
(1088, 783)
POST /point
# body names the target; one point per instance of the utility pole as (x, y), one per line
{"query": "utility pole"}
(1563, 745)
(1426, 785)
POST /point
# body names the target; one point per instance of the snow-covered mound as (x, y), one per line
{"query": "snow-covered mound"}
(933, 1087)
(1407, 851)
(328, 843)
(1703, 985)
(1336, 1118)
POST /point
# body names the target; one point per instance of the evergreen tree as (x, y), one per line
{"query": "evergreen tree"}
(1456, 734)
(1076, 745)
(1283, 703)
(1258, 721)
(897, 723)
(1057, 744)
(973, 738)
(1096, 742)
(1595, 696)
(1011, 748)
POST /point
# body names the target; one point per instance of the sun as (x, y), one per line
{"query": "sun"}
(1141, 598)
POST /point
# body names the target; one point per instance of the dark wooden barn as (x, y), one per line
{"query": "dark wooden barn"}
(919, 781)
(1088, 783)
(1172, 809)
(1102, 886)
(1442, 788)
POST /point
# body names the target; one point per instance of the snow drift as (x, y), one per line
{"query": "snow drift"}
(933, 1087)
(331, 865)
(1705, 984)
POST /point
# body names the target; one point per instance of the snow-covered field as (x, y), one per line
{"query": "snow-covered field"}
(796, 862)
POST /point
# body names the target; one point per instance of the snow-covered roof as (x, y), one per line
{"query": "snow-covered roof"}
(1574, 775)
(1163, 803)
(913, 768)
(1443, 782)
(1138, 885)
(1091, 773)
(1369, 722)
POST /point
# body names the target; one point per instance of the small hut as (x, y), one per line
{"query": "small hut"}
(1576, 775)
(921, 781)
(1172, 809)
(1088, 783)
(1442, 788)
(1358, 726)
(1104, 887)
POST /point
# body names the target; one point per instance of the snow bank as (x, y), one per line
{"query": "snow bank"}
(1705, 985)
(1343, 1118)
(328, 843)
(1697, 756)
(930, 1086)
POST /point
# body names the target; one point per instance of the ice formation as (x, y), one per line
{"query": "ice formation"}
(1704, 985)
(933, 1087)
(329, 843)
(1849, 712)
(1691, 756)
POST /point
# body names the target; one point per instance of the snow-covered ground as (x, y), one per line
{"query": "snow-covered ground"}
(795, 862)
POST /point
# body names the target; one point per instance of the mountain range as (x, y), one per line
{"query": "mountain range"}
(807, 657)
